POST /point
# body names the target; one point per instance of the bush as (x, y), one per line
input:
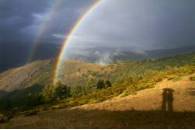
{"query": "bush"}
(48, 93)
(100, 84)
(61, 91)
(34, 100)
(108, 84)
(192, 78)
(79, 91)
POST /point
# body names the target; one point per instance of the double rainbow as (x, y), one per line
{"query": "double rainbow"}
(43, 27)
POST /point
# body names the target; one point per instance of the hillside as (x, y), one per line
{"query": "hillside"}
(151, 99)
(106, 55)
(15, 55)
(16, 85)
(121, 88)
(78, 72)
(25, 76)
(141, 110)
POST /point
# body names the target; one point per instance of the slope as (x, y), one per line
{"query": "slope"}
(142, 110)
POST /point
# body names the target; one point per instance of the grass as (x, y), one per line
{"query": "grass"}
(148, 81)
(192, 78)
(130, 76)
(105, 119)
(126, 77)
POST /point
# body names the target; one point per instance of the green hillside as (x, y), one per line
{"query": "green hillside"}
(83, 83)
(128, 77)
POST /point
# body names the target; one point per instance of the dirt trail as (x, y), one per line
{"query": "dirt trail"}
(151, 99)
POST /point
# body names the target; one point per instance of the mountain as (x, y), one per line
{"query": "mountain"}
(25, 77)
(160, 53)
(82, 76)
(28, 89)
(80, 73)
(15, 55)
(75, 72)
(139, 110)
(107, 55)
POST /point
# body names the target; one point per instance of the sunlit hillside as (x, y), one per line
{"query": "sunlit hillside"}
(126, 86)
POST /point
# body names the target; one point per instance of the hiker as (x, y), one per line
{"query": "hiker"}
(167, 103)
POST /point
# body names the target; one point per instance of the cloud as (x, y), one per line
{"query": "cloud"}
(140, 24)
(24, 23)
(21, 20)
(58, 36)
(104, 58)
(135, 25)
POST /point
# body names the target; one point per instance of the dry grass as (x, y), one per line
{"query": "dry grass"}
(25, 76)
(192, 78)
(141, 110)
(151, 99)
(104, 119)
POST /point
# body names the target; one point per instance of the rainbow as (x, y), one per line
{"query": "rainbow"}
(67, 40)
(43, 28)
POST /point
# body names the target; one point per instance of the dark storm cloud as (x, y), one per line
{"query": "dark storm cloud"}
(65, 17)
(16, 14)
(140, 22)
(24, 23)
(20, 20)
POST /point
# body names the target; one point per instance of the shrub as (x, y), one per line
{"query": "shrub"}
(61, 91)
(100, 84)
(78, 91)
(34, 100)
(108, 84)
(48, 93)
(192, 78)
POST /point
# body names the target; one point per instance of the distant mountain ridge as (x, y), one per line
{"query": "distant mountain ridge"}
(108, 55)
(12, 55)
(170, 52)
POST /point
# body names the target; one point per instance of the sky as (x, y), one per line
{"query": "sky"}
(138, 25)
(134, 24)
(25, 24)
(22, 20)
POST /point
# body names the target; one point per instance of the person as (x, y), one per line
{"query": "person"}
(167, 103)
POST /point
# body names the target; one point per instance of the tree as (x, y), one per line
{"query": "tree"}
(62, 91)
(108, 84)
(78, 91)
(34, 99)
(100, 84)
(48, 93)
